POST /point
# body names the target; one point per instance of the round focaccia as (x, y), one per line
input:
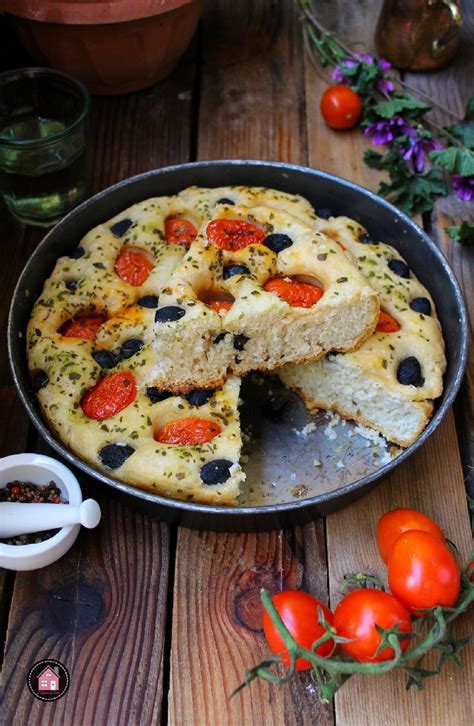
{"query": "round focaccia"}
(390, 381)
(219, 315)
(90, 323)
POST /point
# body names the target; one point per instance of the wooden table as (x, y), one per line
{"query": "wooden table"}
(158, 623)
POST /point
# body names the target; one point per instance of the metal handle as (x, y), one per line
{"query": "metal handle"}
(455, 18)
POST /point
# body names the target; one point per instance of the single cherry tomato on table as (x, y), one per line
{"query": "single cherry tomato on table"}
(356, 617)
(386, 323)
(295, 293)
(299, 612)
(110, 396)
(234, 234)
(179, 231)
(392, 524)
(422, 572)
(188, 432)
(133, 267)
(340, 107)
(85, 327)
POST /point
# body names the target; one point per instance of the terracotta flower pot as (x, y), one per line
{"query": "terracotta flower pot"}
(112, 46)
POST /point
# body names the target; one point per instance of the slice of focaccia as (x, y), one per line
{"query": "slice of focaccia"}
(257, 289)
(389, 383)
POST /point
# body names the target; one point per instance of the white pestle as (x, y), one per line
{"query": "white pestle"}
(18, 518)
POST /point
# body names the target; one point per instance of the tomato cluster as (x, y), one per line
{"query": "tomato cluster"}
(422, 574)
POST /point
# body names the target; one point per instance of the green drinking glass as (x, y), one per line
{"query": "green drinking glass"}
(43, 127)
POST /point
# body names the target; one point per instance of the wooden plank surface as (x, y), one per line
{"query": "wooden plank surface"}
(431, 481)
(102, 609)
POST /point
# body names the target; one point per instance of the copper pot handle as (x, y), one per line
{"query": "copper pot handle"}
(455, 23)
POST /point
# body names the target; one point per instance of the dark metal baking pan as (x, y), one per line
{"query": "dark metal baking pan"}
(295, 472)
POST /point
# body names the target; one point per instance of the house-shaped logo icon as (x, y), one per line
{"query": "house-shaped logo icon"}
(48, 680)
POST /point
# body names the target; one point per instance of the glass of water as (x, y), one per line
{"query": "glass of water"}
(43, 125)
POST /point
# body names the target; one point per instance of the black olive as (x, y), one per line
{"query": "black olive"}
(113, 456)
(119, 228)
(277, 242)
(155, 395)
(399, 267)
(366, 239)
(219, 338)
(232, 270)
(169, 314)
(77, 253)
(216, 472)
(225, 200)
(148, 301)
(239, 341)
(40, 379)
(421, 305)
(130, 347)
(409, 372)
(72, 285)
(106, 359)
(199, 396)
(324, 213)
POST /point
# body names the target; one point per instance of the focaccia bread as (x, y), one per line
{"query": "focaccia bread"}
(390, 382)
(221, 313)
(93, 326)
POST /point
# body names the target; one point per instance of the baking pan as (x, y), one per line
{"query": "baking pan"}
(299, 467)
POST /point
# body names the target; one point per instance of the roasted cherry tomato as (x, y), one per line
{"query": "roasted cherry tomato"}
(234, 234)
(387, 324)
(392, 524)
(179, 231)
(85, 327)
(422, 572)
(340, 107)
(356, 617)
(217, 299)
(299, 612)
(133, 267)
(188, 432)
(110, 396)
(295, 293)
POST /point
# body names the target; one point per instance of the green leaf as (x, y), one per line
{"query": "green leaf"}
(402, 104)
(464, 233)
(454, 160)
(373, 159)
(414, 193)
(464, 130)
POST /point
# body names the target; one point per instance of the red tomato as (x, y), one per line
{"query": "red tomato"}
(217, 299)
(85, 328)
(110, 396)
(392, 524)
(422, 572)
(295, 293)
(133, 267)
(340, 107)
(179, 231)
(356, 617)
(188, 432)
(299, 612)
(387, 324)
(234, 234)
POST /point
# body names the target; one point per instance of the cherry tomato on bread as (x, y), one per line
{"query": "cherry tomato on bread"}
(295, 293)
(133, 267)
(188, 432)
(110, 396)
(234, 234)
(85, 328)
(422, 572)
(299, 612)
(392, 524)
(356, 617)
(340, 107)
(386, 323)
(179, 231)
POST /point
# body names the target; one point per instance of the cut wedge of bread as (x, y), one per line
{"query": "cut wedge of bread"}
(390, 382)
(195, 345)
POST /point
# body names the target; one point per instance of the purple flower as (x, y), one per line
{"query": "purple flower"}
(464, 187)
(337, 75)
(365, 57)
(384, 132)
(384, 85)
(384, 65)
(417, 150)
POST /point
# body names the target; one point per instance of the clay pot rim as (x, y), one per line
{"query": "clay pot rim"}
(22, 73)
(83, 12)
